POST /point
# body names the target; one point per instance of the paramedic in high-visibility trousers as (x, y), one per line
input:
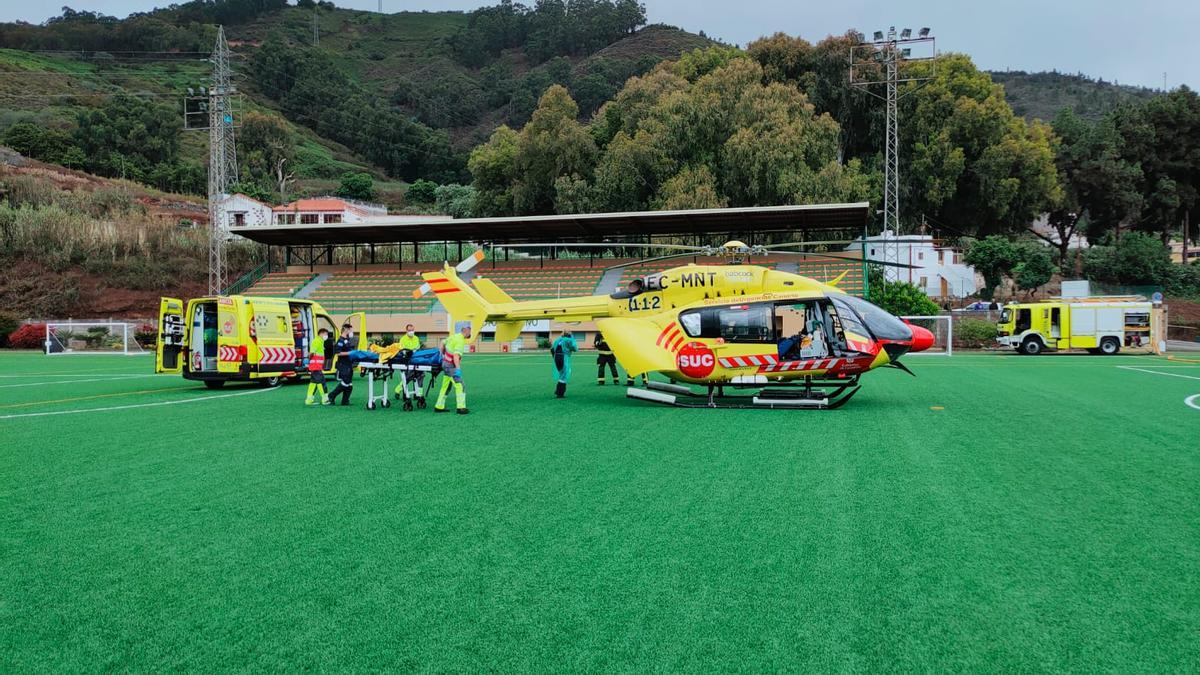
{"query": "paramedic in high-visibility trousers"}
(452, 353)
(412, 343)
(316, 369)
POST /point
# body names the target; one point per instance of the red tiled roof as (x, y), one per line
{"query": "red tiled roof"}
(316, 205)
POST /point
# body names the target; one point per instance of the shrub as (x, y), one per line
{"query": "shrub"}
(8, 324)
(28, 336)
(146, 335)
(421, 192)
(974, 333)
(543, 343)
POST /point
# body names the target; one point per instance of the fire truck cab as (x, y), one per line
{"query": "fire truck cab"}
(242, 338)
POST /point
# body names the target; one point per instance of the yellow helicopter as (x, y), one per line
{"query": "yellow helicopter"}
(794, 341)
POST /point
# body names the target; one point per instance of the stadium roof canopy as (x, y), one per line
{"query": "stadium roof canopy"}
(744, 221)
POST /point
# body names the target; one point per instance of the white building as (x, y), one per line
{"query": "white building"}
(938, 271)
(238, 210)
(327, 211)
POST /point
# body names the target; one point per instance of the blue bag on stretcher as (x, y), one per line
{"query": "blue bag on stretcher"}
(426, 357)
(360, 355)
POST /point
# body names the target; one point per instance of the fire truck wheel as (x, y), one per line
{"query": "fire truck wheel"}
(214, 384)
(1109, 346)
(1031, 346)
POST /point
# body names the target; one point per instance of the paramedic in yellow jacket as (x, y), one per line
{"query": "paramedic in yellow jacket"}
(452, 353)
(412, 343)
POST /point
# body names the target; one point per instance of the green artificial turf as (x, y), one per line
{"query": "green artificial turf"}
(1047, 516)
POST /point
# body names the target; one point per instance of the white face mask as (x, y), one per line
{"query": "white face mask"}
(411, 332)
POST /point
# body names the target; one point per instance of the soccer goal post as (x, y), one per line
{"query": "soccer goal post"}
(942, 327)
(92, 337)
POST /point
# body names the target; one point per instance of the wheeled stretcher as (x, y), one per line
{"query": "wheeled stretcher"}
(382, 373)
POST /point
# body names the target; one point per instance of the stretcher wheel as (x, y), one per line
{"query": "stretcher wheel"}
(386, 403)
(370, 405)
(421, 403)
(408, 406)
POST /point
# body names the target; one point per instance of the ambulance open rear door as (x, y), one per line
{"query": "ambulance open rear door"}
(359, 321)
(172, 336)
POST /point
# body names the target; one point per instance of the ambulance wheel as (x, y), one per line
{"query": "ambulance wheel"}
(408, 406)
(1031, 346)
(270, 382)
(1109, 346)
(214, 384)
(370, 405)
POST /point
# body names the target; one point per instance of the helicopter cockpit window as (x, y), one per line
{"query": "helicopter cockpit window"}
(881, 325)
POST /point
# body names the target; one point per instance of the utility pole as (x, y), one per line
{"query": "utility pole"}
(316, 30)
(213, 111)
(889, 52)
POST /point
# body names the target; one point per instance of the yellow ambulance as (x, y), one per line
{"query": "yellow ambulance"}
(242, 338)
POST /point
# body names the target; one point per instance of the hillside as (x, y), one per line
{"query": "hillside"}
(83, 246)
(1042, 95)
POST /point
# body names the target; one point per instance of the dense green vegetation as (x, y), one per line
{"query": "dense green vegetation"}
(1042, 95)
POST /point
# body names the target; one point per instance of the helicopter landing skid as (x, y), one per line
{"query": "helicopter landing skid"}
(818, 395)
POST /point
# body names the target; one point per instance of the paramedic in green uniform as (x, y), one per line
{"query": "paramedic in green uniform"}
(412, 343)
(561, 350)
(316, 369)
(452, 353)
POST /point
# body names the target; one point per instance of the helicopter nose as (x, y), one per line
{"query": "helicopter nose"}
(922, 339)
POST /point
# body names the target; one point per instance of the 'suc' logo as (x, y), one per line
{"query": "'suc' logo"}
(695, 359)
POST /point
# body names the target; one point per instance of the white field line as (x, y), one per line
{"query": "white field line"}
(1191, 401)
(90, 373)
(1156, 372)
(136, 405)
(96, 379)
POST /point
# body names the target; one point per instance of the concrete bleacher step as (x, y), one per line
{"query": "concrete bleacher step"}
(312, 285)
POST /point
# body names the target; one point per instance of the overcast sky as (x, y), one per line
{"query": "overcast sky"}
(1130, 41)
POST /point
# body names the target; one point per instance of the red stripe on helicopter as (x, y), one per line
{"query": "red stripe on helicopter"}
(663, 335)
(676, 343)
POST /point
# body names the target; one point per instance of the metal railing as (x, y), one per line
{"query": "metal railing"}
(248, 279)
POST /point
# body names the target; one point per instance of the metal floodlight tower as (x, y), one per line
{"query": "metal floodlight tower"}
(890, 52)
(222, 159)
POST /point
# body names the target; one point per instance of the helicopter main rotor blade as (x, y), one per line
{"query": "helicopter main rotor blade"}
(795, 244)
(646, 261)
(677, 247)
(809, 254)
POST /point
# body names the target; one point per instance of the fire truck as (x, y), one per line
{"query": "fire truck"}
(1099, 325)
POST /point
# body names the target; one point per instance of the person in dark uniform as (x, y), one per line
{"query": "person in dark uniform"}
(343, 364)
(605, 358)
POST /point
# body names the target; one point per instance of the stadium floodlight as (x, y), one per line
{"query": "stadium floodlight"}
(859, 37)
(879, 36)
(191, 92)
(906, 33)
(924, 32)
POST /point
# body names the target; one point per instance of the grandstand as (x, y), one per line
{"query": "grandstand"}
(280, 284)
(531, 280)
(374, 291)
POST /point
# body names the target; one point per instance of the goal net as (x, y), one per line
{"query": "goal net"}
(92, 337)
(943, 333)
